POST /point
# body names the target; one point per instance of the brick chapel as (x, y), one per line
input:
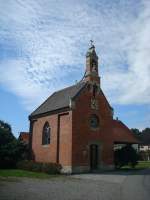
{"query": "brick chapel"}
(75, 127)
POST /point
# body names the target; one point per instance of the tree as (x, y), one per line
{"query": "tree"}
(146, 131)
(136, 132)
(143, 135)
(6, 135)
(127, 155)
(11, 149)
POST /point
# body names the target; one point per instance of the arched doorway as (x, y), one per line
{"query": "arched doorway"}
(94, 156)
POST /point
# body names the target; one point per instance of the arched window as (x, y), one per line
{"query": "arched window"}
(94, 121)
(46, 134)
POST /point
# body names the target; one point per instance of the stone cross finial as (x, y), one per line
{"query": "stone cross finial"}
(91, 43)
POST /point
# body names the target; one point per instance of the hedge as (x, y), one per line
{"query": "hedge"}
(49, 168)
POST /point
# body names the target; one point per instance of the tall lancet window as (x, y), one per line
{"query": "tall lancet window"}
(46, 134)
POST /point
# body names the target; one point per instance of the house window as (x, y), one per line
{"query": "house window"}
(94, 121)
(46, 134)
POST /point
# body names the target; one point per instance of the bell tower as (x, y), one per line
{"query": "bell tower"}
(91, 73)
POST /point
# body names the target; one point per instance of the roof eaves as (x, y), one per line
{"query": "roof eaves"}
(67, 108)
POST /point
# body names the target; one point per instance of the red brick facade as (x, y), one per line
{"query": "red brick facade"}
(72, 136)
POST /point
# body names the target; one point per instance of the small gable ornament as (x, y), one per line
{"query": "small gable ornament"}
(94, 104)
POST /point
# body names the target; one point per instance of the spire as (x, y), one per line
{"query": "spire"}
(91, 73)
(91, 50)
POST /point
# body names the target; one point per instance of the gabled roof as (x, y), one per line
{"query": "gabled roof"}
(59, 99)
(122, 134)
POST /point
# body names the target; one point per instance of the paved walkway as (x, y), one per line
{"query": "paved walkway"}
(109, 186)
(109, 178)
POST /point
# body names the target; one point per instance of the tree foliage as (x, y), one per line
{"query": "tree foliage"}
(136, 131)
(11, 149)
(143, 135)
(127, 155)
(6, 135)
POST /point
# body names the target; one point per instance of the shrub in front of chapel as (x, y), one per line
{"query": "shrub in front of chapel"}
(49, 168)
(127, 155)
(25, 165)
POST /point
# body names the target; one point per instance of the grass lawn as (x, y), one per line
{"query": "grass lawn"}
(143, 164)
(140, 165)
(23, 173)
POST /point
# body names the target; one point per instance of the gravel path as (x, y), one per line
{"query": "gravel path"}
(109, 186)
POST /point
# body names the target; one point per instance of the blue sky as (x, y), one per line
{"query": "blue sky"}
(43, 45)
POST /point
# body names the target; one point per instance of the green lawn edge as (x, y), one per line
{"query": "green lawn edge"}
(24, 173)
(140, 165)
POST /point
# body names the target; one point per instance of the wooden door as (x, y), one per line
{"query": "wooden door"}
(94, 156)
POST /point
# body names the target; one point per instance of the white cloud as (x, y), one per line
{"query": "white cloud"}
(134, 84)
(50, 40)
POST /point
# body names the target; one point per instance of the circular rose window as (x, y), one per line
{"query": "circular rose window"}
(94, 121)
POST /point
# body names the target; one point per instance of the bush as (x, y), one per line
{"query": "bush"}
(49, 168)
(25, 165)
(126, 156)
(11, 153)
(11, 149)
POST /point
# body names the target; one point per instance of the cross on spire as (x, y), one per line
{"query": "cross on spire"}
(91, 43)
